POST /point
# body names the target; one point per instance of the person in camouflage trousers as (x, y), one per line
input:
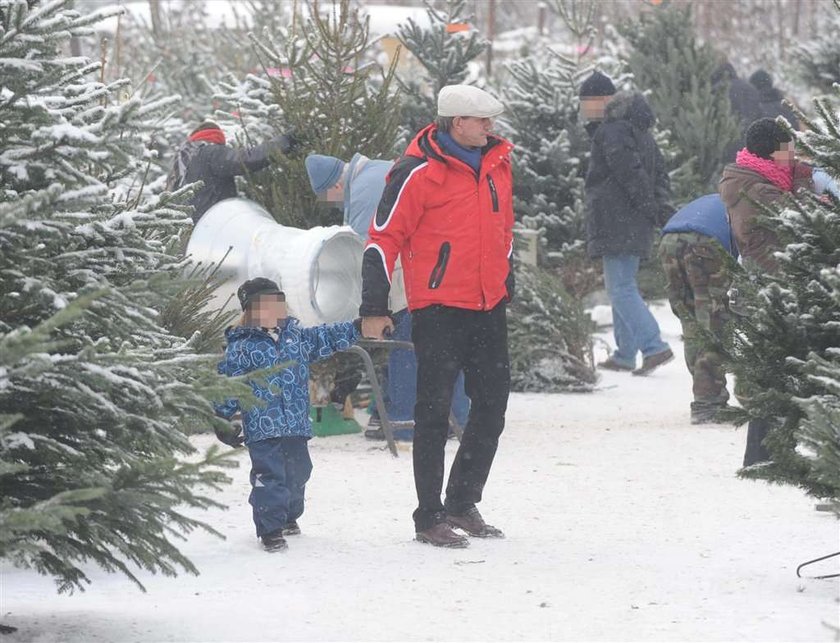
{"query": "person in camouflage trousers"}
(697, 254)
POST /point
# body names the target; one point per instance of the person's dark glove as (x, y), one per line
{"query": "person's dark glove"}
(231, 434)
(510, 284)
(289, 143)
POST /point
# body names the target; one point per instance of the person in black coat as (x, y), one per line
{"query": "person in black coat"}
(627, 194)
(206, 157)
(745, 102)
(770, 99)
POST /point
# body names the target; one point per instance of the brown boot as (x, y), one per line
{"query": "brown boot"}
(610, 364)
(441, 535)
(472, 523)
(652, 362)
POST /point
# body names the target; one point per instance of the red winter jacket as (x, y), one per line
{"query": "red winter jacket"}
(453, 229)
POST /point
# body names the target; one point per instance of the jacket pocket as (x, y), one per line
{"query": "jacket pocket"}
(439, 270)
(494, 196)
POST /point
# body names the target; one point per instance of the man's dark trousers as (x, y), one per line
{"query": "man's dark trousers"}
(447, 340)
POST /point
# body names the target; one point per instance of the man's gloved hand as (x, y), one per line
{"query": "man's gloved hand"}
(231, 434)
(381, 327)
(510, 284)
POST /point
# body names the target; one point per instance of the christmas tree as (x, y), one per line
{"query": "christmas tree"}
(443, 50)
(784, 350)
(818, 59)
(181, 52)
(552, 148)
(322, 83)
(96, 395)
(550, 336)
(819, 430)
(675, 72)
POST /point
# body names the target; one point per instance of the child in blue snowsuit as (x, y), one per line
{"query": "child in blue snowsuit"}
(276, 432)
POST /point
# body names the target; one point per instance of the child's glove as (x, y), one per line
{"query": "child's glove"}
(231, 434)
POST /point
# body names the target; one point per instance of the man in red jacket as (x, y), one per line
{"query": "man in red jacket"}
(447, 209)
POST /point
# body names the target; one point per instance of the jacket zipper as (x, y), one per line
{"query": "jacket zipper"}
(493, 194)
(439, 270)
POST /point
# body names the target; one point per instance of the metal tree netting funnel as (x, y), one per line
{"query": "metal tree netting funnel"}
(318, 269)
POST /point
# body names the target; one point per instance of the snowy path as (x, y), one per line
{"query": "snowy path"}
(624, 522)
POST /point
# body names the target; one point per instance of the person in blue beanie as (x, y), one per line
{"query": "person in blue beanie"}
(358, 186)
(276, 432)
(698, 253)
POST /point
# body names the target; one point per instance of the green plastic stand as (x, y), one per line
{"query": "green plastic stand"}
(327, 420)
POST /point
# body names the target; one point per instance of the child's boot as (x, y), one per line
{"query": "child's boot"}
(291, 528)
(274, 541)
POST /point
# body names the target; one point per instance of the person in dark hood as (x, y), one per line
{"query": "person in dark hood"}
(744, 100)
(770, 99)
(627, 193)
(205, 156)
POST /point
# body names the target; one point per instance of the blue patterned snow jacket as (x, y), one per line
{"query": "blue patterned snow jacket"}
(286, 400)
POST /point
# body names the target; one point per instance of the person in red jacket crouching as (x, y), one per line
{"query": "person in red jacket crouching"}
(447, 209)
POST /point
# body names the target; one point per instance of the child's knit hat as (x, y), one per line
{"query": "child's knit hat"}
(256, 287)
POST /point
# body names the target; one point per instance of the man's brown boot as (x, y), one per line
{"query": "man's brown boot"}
(441, 535)
(652, 362)
(472, 523)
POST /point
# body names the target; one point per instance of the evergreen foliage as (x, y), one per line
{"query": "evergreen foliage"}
(550, 336)
(541, 119)
(674, 71)
(96, 395)
(184, 54)
(444, 53)
(818, 60)
(784, 351)
(320, 75)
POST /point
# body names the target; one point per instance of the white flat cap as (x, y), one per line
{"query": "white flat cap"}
(466, 100)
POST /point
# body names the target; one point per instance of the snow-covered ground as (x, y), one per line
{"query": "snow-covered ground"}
(623, 522)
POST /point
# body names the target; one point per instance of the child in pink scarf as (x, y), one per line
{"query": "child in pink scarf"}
(778, 169)
(764, 171)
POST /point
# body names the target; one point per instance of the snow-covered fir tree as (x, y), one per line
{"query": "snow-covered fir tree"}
(96, 396)
(444, 51)
(182, 52)
(784, 350)
(550, 336)
(818, 59)
(320, 82)
(819, 430)
(675, 71)
(541, 119)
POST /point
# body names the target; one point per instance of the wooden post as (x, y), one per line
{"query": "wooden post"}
(154, 12)
(542, 14)
(780, 17)
(491, 33)
(118, 46)
(103, 58)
